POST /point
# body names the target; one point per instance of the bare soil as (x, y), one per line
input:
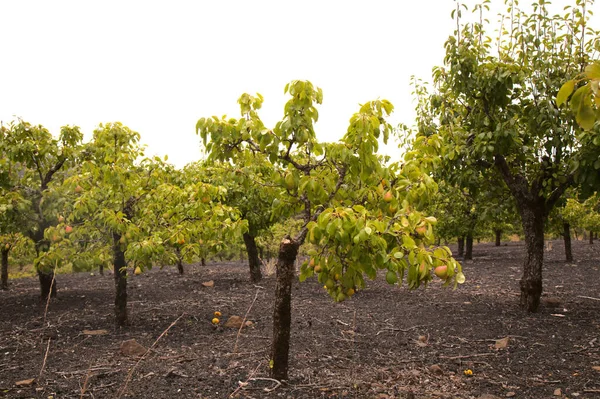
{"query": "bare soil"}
(387, 342)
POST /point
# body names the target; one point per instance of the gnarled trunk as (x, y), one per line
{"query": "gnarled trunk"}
(461, 246)
(120, 268)
(567, 239)
(4, 272)
(469, 247)
(282, 318)
(253, 260)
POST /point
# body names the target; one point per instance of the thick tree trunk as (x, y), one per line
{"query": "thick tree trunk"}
(282, 317)
(179, 260)
(531, 283)
(461, 246)
(120, 268)
(567, 238)
(469, 247)
(253, 260)
(4, 272)
(498, 237)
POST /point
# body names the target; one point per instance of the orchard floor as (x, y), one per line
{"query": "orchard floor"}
(386, 342)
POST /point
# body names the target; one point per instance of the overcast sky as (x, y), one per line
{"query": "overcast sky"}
(160, 66)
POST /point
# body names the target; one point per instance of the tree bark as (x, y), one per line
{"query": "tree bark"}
(282, 318)
(101, 269)
(46, 277)
(461, 246)
(531, 283)
(203, 262)
(120, 268)
(469, 247)
(498, 237)
(179, 260)
(4, 272)
(567, 239)
(253, 260)
(591, 237)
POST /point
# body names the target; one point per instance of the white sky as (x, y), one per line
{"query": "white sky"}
(160, 66)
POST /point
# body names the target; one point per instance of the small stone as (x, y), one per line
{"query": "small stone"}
(552, 302)
(248, 323)
(558, 392)
(233, 322)
(436, 369)
(132, 348)
(510, 394)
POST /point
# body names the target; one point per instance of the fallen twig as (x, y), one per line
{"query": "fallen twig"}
(45, 358)
(399, 329)
(467, 356)
(588, 297)
(48, 299)
(243, 384)
(244, 320)
(277, 382)
(130, 374)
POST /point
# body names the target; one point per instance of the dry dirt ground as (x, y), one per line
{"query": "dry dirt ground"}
(387, 342)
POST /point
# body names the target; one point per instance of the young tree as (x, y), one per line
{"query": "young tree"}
(360, 216)
(250, 192)
(129, 203)
(36, 163)
(494, 107)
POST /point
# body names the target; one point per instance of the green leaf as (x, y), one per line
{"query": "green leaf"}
(565, 91)
(592, 71)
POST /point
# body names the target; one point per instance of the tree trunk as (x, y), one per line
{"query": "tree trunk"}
(498, 237)
(4, 272)
(567, 238)
(203, 262)
(461, 246)
(253, 260)
(591, 237)
(179, 260)
(120, 268)
(532, 216)
(282, 317)
(101, 269)
(469, 247)
(46, 277)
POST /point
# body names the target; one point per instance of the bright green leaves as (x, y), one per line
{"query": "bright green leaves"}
(585, 101)
(565, 92)
(353, 242)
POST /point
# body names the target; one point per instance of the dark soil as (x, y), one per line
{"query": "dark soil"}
(387, 342)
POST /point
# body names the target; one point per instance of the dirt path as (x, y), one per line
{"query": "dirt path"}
(387, 342)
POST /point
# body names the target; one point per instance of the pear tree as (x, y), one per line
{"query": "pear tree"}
(361, 216)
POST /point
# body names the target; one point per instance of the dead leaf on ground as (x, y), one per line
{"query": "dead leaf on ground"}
(25, 383)
(209, 284)
(501, 343)
(597, 368)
